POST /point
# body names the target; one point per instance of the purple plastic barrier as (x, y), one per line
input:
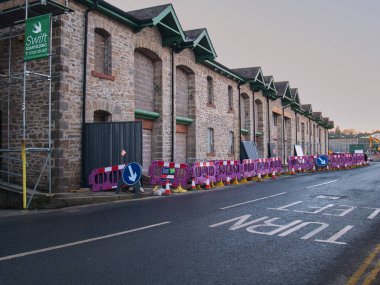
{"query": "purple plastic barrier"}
(175, 173)
(336, 161)
(310, 162)
(262, 166)
(228, 168)
(200, 170)
(275, 164)
(249, 168)
(105, 178)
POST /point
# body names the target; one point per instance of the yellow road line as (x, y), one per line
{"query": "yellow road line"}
(372, 275)
(363, 267)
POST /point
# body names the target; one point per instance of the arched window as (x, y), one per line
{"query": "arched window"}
(102, 116)
(210, 91)
(230, 98)
(103, 52)
(210, 140)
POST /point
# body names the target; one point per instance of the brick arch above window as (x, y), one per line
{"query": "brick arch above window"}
(102, 116)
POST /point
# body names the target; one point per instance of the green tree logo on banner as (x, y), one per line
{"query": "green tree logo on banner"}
(37, 35)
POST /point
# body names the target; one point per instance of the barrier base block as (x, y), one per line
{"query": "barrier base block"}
(244, 180)
(219, 184)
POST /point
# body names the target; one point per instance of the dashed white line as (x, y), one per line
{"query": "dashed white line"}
(321, 184)
(251, 201)
(78, 242)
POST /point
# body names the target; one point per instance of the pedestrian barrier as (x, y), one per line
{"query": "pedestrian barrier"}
(228, 168)
(175, 173)
(105, 178)
(262, 166)
(249, 168)
(310, 162)
(275, 165)
(200, 170)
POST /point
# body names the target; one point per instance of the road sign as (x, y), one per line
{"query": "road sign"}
(37, 37)
(132, 173)
(322, 160)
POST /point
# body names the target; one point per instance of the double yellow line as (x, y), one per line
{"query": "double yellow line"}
(371, 276)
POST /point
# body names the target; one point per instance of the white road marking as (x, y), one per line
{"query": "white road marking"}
(251, 201)
(374, 214)
(321, 184)
(328, 197)
(78, 242)
(334, 238)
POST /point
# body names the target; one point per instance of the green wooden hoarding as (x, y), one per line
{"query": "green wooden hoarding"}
(37, 37)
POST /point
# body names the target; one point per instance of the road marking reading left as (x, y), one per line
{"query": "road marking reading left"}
(321, 184)
(78, 242)
(251, 201)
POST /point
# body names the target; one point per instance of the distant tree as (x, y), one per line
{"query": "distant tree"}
(349, 132)
(337, 130)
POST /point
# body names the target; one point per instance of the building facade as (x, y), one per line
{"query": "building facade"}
(113, 66)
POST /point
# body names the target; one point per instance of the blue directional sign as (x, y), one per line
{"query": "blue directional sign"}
(132, 173)
(322, 160)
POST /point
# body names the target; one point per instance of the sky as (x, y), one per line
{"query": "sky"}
(328, 49)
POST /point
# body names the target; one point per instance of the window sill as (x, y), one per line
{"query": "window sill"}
(102, 75)
(211, 105)
(212, 154)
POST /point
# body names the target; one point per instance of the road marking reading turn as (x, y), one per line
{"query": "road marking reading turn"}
(321, 184)
(78, 242)
(251, 201)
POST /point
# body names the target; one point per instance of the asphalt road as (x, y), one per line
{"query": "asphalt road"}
(304, 229)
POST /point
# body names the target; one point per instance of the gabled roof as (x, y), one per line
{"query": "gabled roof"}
(317, 116)
(147, 14)
(223, 70)
(270, 89)
(164, 18)
(295, 96)
(308, 110)
(253, 75)
(283, 91)
(199, 41)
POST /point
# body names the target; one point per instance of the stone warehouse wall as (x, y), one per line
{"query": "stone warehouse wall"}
(136, 74)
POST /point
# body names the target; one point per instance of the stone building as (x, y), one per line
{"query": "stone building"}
(113, 66)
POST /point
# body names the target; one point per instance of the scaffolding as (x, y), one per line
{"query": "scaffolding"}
(12, 25)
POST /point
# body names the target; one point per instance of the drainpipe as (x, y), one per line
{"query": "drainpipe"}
(239, 84)
(310, 128)
(254, 118)
(172, 91)
(283, 131)
(268, 124)
(295, 113)
(84, 87)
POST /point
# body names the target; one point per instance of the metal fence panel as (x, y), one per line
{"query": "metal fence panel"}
(103, 143)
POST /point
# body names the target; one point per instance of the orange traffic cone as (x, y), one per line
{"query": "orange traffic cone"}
(292, 172)
(167, 189)
(313, 170)
(193, 187)
(228, 181)
(273, 176)
(208, 183)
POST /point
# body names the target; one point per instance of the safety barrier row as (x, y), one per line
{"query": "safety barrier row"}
(345, 160)
(211, 171)
(336, 161)
(178, 174)
(105, 178)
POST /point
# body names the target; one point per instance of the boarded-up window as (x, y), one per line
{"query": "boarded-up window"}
(210, 140)
(102, 51)
(210, 90)
(230, 98)
(231, 143)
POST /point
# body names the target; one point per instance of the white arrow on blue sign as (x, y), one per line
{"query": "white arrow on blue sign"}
(132, 173)
(322, 160)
